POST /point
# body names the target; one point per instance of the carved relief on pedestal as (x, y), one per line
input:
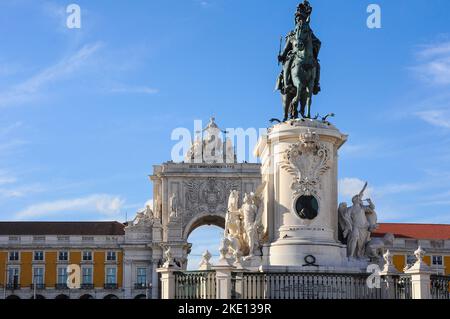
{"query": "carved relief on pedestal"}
(307, 161)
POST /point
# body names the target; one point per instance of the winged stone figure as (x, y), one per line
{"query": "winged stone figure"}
(345, 222)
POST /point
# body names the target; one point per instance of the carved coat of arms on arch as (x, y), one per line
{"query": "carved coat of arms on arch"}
(208, 195)
(307, 161)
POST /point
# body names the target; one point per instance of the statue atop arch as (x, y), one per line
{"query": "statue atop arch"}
(210, 146)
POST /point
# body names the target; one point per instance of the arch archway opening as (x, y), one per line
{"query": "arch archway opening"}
(206, 220)
(205, 237)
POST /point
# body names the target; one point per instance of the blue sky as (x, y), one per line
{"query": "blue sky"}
(84, 114)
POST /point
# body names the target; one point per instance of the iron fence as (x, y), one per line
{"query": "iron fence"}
(195, 285)
(304, 286)
(440, 287)
(403, 287)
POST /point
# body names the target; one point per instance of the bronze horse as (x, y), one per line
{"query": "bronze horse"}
(302, 77)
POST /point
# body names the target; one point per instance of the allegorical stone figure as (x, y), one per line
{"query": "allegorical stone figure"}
(250, 211)
(169, 261)
(233, 235)
(300, 76)
(244, 231)
(143, 217)
(233, 219)
(356, 223)
(173, 204)
(157, 206)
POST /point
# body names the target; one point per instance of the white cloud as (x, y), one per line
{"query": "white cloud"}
(134, 90)
(434, 63)
(6, 178)
(392, 189)
(9, 128)
(11, 145)
(103, 204)
(16, 191)
(440, 118)
(349, 187)
(204, 3)
(431, 51)
(28, 89)
(366, 149)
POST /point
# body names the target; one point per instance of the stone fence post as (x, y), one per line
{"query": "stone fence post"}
(390, 274)
(420, 277)
(167, 271)
(167, 282)
(224, 273)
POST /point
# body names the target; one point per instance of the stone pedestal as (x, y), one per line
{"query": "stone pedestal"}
(420, 274)
(223, 281)
(167, 282)
(300, 168)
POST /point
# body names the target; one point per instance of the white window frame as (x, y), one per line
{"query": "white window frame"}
(34, 275)
(145, 272)
(18, 256)
(91, 253)
(8, 279)
(68, 256)
(64, 268)
(106, 275)
(437, 265)
(43, 256)
(82, 275)
(107, 255)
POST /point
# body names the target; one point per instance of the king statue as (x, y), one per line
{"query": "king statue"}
(299, 79)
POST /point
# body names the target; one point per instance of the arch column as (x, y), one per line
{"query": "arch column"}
(155, 280)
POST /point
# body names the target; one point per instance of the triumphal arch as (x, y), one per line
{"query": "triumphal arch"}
(195, 192)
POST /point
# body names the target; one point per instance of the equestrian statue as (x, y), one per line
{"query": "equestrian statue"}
(299, 79)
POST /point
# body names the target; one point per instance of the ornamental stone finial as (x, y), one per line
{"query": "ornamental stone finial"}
(205, 263)
(419, 253)
(388, 257)
(169, 260)
(420, 265)
(389, 268)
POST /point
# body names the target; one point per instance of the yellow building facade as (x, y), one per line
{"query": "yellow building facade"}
(35, 265)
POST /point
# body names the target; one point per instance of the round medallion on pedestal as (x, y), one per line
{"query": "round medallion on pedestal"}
(307, 207)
